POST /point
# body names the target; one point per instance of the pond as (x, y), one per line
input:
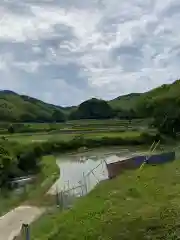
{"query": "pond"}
(76, 168)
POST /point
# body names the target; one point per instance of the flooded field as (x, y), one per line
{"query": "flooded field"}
(88, 168)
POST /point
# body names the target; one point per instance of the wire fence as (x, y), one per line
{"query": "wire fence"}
(65, 197)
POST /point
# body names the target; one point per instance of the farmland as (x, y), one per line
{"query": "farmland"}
(33, 132)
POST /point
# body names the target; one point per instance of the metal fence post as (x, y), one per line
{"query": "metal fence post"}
(85, 185)
(57, 198)
(26, 231)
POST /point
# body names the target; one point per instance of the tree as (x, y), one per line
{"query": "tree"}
(167, 117)
(58, 116)
(11, 129)
(93, 109)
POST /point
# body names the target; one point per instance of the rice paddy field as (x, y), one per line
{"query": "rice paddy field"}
(34, 132)
(24, 138)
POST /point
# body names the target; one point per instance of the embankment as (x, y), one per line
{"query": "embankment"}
(135, 206)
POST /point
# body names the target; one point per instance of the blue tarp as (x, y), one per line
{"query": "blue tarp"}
(156, 158)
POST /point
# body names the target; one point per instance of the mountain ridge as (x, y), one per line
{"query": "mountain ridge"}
(17, 107)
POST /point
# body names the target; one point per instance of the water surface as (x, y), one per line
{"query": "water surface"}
(76, 169)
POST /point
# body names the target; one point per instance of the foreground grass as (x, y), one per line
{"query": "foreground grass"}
(33, 194)
(128, 207)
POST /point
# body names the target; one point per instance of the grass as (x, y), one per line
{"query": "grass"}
(128, 207)
(76, 125)
(25, 138)
(48, 175)
(33, 194)
(128, 134)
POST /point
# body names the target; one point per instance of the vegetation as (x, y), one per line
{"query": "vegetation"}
(141, 208)
(18, 160)
(126, 102)
(75, 126)
(136, 205)
(93, 109)
(20, 108)
(163, 105)
(33, 194)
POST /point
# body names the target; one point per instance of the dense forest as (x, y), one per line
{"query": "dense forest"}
(20, 108)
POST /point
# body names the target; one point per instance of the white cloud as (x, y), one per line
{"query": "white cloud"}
(82, 49)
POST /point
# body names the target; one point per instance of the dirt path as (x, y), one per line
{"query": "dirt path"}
(10, 224)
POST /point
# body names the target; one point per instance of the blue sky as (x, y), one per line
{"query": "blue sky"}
(66, 51)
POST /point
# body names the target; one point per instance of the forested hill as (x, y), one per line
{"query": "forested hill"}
(126, 101)
(20, 108)
(165, 91)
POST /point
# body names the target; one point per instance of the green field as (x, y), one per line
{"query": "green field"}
(66, 131)
(128, 207)
(115, 124)
(27, 138)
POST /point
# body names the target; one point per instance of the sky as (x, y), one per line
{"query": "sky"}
(67, 51)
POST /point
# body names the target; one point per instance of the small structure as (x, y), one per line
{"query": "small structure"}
(21, 181)
(127, 163)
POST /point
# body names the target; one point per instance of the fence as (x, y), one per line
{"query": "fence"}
(24, 233)
(66, 197)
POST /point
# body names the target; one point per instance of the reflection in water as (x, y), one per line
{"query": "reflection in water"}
(76, 169)
(73, 174)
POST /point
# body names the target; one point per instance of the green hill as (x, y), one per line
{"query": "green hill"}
(92, 109)
(20, 108)
(130, 101)
(125, 102)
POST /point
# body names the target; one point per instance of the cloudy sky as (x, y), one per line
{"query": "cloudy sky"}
(66, 51)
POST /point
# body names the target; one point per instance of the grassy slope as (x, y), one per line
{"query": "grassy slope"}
(34, 194)
(127, 207)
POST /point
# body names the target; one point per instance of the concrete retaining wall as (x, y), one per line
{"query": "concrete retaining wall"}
(117, 168)
(162, 158)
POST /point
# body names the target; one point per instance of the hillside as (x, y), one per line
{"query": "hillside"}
(138, 102)
(166, 91)
(125, 102)
(20, 108)
(128, 207)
